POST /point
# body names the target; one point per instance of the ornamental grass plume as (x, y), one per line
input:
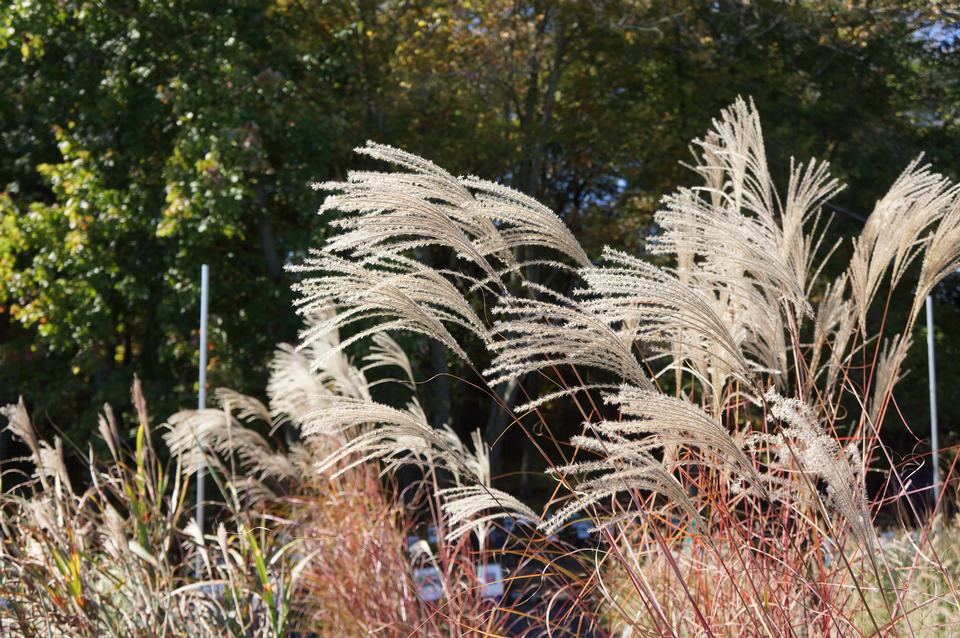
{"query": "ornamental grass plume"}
(728, 367)
(731, 395)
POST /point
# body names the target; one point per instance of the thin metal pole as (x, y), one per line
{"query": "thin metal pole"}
(932, 375)
(202, 395)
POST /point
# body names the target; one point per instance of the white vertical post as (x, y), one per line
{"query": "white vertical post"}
(202, 395)
(932, 375)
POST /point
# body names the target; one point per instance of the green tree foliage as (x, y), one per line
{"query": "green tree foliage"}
(143, 138)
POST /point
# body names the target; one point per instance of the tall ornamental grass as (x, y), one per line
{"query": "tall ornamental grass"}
(732, 398)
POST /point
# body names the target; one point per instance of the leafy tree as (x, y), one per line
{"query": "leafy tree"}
(144, 138)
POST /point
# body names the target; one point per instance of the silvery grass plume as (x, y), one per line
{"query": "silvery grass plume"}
(303, 380)
(395, 292)
(833, 329)
(736, 227)
(394, 436)
(301, 383)
(803, 443)
(735, 316)
(540, 334)
(665, 313)
(197, 437)
(426, 206)
(754, 255)
(654, 422)
(370, 430)
(941, 255)
(339, 425)
(375, 270)
(439, 447)
(473, 507)
(887, 373)
(918, 199)
(625, 466)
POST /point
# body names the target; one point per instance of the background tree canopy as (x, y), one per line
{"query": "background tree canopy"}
(141, 138)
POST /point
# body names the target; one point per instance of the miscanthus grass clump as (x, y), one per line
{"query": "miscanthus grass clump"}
(732, 399)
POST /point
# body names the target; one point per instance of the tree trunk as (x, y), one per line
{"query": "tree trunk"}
(268, 243)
